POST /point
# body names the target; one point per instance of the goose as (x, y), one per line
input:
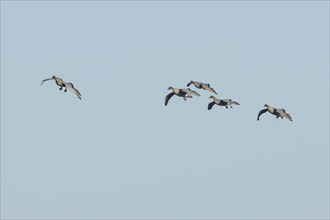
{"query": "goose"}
(184, 93)
(72, 89)
(200, 85)
(222, 102)
(279, 113)
(60, 82)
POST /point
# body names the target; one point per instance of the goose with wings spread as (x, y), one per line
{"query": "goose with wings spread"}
(66, 85)
(200, 85)
(221, 102)
(184, 93)
(278, 112)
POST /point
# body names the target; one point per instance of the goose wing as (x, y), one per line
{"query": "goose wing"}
(167, 98)
(233, 103)
(73, 90)
(283, 114)
(261, 112)
(190, 92)
(45, 80)
(208, 88)
(209, 107)
(230, 102)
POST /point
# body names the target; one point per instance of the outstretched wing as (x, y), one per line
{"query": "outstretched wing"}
(208, 88)
(230, 102)
(261, 112)
(283, 114)
(234, 103)
(73, 90)
(167, 98)
(191, 92)
(209, 107)
(45, 80)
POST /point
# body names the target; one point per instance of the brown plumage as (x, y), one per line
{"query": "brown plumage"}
(60, 82)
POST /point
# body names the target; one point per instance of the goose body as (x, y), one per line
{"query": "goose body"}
(221, 102)
(60, 82)
(184, 93)
(200, 85)
(278, 112)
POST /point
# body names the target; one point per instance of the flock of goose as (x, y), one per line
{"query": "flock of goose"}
(185, 93)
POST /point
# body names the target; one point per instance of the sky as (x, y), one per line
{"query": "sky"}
(121, 153)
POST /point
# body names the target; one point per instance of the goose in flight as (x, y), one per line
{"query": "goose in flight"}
(184, 93)
(72, 89)
(60, 82)
(279, 113)
(222, 102)
(200, 85)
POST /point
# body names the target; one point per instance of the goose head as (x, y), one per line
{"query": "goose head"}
(189, 83)
(211, 97)
(170, 88)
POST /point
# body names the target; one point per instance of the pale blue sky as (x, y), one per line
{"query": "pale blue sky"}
(120, 153)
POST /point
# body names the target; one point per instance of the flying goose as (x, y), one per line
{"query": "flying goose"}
(67, 85)
(200, 85)
(60, 82)
(184, 93)
(222, 102)
(279, 113)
